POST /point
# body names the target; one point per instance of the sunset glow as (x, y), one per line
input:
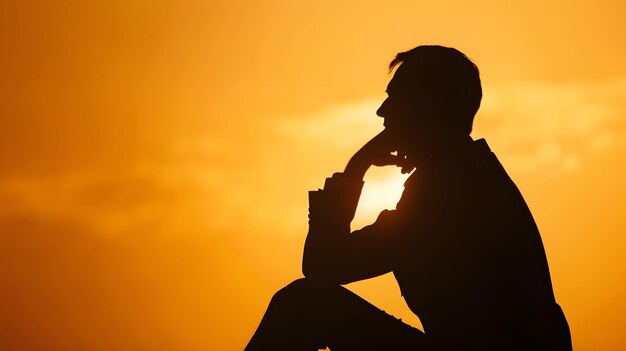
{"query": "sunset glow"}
(155, 156)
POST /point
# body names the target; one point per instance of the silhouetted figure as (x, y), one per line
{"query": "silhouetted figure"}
(461, 243)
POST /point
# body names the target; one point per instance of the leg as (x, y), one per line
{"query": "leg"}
(307, 315)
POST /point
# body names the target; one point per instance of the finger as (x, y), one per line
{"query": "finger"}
(407, 169)
(388, 160)
(406, 166)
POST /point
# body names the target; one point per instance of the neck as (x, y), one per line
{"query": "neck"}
(437, 149)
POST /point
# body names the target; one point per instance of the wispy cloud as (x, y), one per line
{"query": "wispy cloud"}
(543, 125)
(530, 124)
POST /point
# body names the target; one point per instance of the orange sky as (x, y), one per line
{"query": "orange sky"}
(155, 156)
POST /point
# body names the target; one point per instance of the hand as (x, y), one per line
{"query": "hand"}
(377, 152)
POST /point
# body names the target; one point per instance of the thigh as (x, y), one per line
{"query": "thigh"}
(342, 320)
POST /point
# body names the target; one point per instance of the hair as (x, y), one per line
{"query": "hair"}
(449, 79)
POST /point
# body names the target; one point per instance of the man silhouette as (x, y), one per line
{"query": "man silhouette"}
(461, 242)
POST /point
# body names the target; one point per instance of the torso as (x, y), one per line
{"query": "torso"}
(475, 260)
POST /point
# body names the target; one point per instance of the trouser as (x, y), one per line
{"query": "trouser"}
(310, 315)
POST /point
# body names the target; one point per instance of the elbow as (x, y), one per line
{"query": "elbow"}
(323, 263)
(322, 271)
(308, 271)
(314, 262)
(311, 268)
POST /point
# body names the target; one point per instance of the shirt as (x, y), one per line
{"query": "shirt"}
(462, 244)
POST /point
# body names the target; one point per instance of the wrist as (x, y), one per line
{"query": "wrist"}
(355, 169)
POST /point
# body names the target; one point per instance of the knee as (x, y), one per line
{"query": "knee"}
(302, 290)
(295, 290)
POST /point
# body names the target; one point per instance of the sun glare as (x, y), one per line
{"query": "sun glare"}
(382, 190)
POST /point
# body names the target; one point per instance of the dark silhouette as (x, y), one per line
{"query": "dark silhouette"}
(461, 243)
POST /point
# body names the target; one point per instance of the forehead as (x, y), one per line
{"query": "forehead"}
(405, 79)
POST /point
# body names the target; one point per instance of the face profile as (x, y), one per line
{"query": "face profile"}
(431, 99)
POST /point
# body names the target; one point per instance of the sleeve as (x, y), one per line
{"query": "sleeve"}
(332, 253)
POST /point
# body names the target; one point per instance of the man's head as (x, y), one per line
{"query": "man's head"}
(435, 91)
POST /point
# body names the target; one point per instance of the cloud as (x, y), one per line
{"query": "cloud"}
(534, 124)
(113, 202)
(218, 179)
(128, 258)
(337, 126)
(530, 124)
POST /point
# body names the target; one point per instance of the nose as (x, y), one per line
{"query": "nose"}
(382, 109)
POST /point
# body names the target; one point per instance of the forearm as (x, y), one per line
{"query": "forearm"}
(330, 212)
(356, 168)
(323, 251)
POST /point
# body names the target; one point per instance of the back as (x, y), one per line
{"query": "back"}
(474, 264)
